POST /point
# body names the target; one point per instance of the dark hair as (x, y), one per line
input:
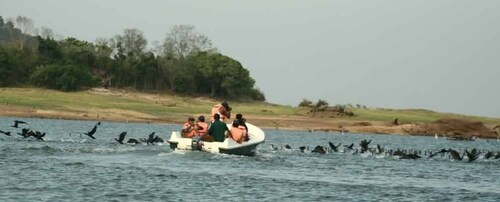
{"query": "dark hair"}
(190, 119)
(201, 118)
(236, 123)
(228, 108)
(216, 116)
(239, 116)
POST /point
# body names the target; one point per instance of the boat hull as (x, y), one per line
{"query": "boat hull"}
(229, 146)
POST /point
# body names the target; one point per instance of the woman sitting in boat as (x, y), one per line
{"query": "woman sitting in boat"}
(238, 132)
(223, 110)
(242, 121)
(202, 126)
(189, 130)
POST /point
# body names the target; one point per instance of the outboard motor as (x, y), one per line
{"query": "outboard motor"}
(196, 143)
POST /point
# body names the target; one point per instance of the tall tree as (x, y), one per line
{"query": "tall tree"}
(132, 41)
(183, 40)
(26, 26)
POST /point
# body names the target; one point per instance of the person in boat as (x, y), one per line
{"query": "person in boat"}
(189, 130)
(238, 132)
(223, 109)
(242, 122)
(217, 130)
(202, 126)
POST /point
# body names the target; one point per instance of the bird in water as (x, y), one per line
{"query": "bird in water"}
(17, 122)
(350, 147)
(488, 155)
(152, 139)
(455, 155)
(6, 133)
(133, 141)
(121, 137)
(273, 147)
(333, 147)
(439, 152)
(24, 132)
(473, 154)
(319, 149)
(364, 145)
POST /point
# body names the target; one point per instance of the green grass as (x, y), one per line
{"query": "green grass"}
(173, 105)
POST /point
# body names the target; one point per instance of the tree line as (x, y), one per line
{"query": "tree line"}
(184, 62)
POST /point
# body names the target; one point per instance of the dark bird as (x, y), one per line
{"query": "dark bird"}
(133, 141)
(439, 152)
(333, 147)
(350, 147)
(17, 122)
(24, 132)
(364, 145)
(98, 123)
(319, 149)
(38, 135)
(273, 147)
(302, 149)
(158, 139)
(455, 155)
(6, 133)
(473, 154)
(488, 155)
(151, 138)
(497, 156)
(287, 146)
(121, 138)
(91, 132)
(380, 149)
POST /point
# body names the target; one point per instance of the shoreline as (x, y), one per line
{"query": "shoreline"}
(118, 105)
(306, 124)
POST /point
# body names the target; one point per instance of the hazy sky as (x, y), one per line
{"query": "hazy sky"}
(441, 55)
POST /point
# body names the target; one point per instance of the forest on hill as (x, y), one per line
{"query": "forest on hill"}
(185, 62)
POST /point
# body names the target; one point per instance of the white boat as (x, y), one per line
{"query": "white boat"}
(229, 146)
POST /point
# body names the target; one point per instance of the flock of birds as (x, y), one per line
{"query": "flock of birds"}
(364, 148)
(27, 133)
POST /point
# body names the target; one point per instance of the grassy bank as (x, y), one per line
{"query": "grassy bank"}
(121, 105)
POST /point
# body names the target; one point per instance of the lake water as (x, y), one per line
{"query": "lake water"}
(72, 168)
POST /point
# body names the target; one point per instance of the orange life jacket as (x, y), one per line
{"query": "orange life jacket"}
(188, 133)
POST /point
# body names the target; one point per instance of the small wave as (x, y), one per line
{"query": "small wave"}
(43, 149)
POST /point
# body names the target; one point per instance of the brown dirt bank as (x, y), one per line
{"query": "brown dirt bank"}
(446, 127)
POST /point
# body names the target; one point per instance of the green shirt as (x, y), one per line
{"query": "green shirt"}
(217, 131)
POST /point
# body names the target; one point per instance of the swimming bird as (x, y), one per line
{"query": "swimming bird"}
(38, 135)
(273, 147)
(121, 137)
(133, 141)
(287, 146)
(488, 155)
(319, 149)
(498, 155)
(17, 122)
(302, 149)
(6, 133)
